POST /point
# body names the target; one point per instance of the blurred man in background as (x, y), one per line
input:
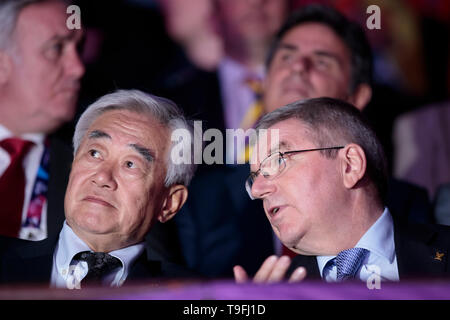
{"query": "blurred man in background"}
(40, 72)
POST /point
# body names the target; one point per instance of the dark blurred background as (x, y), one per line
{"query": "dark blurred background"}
(153, 44)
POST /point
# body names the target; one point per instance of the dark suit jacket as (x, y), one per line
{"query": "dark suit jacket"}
(61, 156)
(219, 226)
(442, 205)
(422, 251)
(26, 262)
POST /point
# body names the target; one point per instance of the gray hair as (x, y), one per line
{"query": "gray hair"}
(163, 110)
(331, 122)
(9, 13)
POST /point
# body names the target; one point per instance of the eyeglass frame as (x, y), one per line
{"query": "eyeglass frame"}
(254, 175)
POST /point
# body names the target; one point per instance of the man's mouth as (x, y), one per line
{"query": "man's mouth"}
(275, 210)
(98, 200)
(297, 91)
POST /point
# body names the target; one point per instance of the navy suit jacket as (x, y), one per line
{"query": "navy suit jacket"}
(25, 262)
(61, 156)
(219, 226)
(442, 205)
(422, 252)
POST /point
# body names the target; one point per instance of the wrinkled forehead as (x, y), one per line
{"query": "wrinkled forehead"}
(130, 127)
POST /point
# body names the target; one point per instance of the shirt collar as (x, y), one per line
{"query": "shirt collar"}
(68, 246)
(379, 240)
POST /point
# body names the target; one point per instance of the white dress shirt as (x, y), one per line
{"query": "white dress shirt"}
(67, 273)
(379, 240)
(31, 164)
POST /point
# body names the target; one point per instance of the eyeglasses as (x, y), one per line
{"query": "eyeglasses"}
(273, 165)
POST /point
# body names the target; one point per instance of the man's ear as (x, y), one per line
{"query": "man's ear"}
(176, 197)
(353, 164)
(361, 97)
(5, 67)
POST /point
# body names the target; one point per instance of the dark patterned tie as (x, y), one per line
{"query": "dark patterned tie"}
(348, 262)
(100, 264)
(12, 187)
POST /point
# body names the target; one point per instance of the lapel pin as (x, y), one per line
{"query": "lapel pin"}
(439, 256)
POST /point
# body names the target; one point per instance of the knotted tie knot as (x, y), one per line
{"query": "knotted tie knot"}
(16, 147)
(255, 84)
(348, 262)
(99, 264)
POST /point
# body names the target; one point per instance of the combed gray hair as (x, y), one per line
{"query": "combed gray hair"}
(9, 13)
(163, 110)
(331, 122)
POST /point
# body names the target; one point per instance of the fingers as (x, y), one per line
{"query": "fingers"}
(240, 276)
(298, 275)
(272, 270)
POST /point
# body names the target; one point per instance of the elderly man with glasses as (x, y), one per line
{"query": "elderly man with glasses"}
(323, 181)
(317, 53)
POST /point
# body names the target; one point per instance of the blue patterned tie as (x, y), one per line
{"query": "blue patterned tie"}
(348, 262)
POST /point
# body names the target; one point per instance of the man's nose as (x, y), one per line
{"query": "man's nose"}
(74, 66)
(262, 187)
(105, 177)
(301, 64)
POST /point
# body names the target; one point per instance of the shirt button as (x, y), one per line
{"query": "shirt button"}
(64, 272)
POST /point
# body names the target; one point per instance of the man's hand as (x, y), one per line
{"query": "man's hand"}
(272, 270)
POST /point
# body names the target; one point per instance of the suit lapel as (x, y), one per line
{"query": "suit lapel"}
(60, 164)
(416, 253)
(33, 262)
(309, 262)
(144, 268)
(235, 181)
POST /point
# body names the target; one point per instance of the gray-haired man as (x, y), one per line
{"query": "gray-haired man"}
(40, 71)
(323, 186)
(122, 181)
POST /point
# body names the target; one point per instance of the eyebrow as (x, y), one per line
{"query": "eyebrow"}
(76, 36)
(292, 47)
(287, 46)
(146, 153)
(281, 145)
(72, 34)
(97, 134)
(328, 55)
